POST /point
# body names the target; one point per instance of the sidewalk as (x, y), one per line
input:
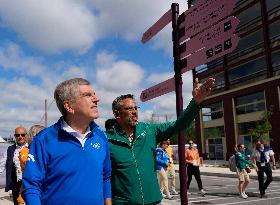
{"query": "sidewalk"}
(217, 168)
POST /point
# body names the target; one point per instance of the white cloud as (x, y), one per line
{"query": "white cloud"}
(156, 78)
(54, 26)
(50, 25)
(119, 76)
(11, 57)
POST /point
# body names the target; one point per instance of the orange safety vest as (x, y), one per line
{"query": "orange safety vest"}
(23, 155)
(192, 156)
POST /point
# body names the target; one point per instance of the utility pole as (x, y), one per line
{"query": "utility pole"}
(46, 115)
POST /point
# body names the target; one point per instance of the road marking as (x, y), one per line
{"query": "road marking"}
(231, 197)
(246, 201)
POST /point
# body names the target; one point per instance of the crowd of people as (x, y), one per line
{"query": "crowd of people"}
(75, 161)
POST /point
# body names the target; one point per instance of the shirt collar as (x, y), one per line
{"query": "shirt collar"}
(19, 147)
(69, 129)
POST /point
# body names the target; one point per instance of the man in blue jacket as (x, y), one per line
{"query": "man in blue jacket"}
(162, 162)
(69, 162)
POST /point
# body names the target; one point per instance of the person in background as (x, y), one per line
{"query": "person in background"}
(23, 153)
(242, 164)
(162, 162)
(261, 157)
(13, 169)
(171, 169)
(132, 144)
(110, 124)
(69, 162)
(193, 163)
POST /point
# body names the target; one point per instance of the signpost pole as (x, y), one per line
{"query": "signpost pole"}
(179, 102)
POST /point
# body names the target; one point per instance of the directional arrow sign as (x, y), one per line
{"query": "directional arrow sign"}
(213, 13)
(210, 52)
(158, 90)
(160, 24)
(209, 36)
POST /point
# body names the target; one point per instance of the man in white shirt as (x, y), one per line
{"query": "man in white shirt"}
(13, 169)
(261, 156)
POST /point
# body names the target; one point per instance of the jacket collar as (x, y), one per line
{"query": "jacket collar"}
(119, 134)
(58, 125)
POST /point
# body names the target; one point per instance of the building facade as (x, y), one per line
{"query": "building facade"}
(247, 83)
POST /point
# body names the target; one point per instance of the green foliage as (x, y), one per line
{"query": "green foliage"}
(212, 132)
(189, 135)
(263, 127)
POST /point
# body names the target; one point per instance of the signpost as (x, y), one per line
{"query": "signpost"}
(160, 24)
(158, 90)
(219, 31)
(210, 15)
(206, 44)
(210, 52)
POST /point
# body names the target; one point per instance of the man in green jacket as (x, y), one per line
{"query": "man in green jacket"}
(132, 145)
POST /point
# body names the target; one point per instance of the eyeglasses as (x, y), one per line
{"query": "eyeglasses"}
(23, 135)
(191, 143)
(130, 109)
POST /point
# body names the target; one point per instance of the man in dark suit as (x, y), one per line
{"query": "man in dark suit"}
(13, 170)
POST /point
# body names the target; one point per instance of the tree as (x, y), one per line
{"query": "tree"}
(263, 127)
(189, 135)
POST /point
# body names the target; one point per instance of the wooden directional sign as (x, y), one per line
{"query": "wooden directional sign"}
(160, 24)
(209, 53)
(158, 90)
(222, 29)
(213, 11)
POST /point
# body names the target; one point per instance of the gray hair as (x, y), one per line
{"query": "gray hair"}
(117, 103)
(67, 91)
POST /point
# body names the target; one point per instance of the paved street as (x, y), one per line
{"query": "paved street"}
(220, 183)
(223, 191)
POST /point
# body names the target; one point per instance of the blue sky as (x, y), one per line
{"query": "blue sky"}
(45, 42)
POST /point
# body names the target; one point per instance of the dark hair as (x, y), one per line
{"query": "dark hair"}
(117, 103)
(163, 142)
(110, 123)
(239, 145)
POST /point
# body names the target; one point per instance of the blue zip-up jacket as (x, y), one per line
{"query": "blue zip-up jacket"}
(161, 158)
(59, 171)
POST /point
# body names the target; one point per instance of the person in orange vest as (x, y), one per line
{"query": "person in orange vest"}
(193, 163)
(23, 154)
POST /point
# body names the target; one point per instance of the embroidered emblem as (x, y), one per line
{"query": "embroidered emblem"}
(96, 145)
(30, 157)
(143, 133)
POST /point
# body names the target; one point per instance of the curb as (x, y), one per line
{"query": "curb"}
(232, 175)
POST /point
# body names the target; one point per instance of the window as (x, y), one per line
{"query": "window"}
(248, 44)
(250, 103)
(274, 31)
(276, 62)
(249, 16)
(272, 4)
(214, 132)
(219, 81)
(248, 72)
(243, 128)
(212, 111)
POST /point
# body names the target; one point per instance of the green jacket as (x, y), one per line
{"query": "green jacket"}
(134, 177)
(241, 161)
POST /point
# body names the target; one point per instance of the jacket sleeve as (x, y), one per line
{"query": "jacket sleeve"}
(159, 159)
(239, 159)
(107, 174)
(34, 173)
(9, 168)
(169, 129)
